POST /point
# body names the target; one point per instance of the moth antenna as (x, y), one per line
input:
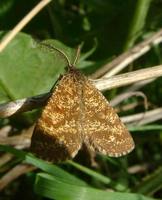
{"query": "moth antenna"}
(58, 50)
(77, 54)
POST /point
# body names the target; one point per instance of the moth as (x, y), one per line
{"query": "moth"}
(77, 113)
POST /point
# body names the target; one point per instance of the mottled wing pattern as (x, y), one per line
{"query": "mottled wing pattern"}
(103, 129)
(57, 135)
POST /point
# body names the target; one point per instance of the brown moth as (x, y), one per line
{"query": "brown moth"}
(78, 113)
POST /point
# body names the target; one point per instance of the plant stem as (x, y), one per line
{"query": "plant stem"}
(137, 23)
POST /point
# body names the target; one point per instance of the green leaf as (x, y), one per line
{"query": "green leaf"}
(54, 188)
(52, 169)
(26, 70)
(41, 164)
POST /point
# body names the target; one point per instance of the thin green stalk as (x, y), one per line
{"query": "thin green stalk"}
(145, 128)
(151, 183)
(90, 172)
(137, 22)
(97, 176)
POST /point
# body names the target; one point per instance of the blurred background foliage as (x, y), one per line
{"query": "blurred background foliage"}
(106, 29)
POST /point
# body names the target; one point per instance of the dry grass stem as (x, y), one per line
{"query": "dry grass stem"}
(22, 23)
(128, 57)
(127, 107)
(8, 109)
(138, 168)
(139, 85)
(19, 141)
(22, 105)
(5, 158)
(23, 140)
(128, 78)
(14, 173)
(144, 117)
(127, 95)
(4, 131)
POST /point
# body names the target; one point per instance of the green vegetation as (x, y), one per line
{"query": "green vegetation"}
(104, 29)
